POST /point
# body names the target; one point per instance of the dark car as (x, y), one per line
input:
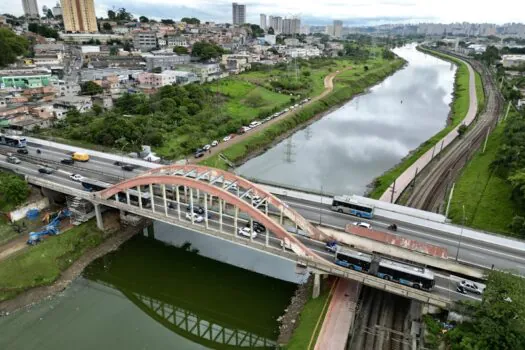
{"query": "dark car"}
(22, 151)
(45, 171)
(117, 163)
(67, 161)
(196, 209)
(127, 167)
(257, 226)
(199, 153)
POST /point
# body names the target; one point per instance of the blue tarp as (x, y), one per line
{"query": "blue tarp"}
(32, 214)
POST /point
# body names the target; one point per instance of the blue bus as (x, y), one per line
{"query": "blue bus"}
(13, 141)
(349, 205)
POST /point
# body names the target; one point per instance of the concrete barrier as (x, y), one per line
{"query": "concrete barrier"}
(20, 213)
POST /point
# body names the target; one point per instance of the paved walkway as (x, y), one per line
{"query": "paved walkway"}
(328, 87)
(339, 317)
(408, 175)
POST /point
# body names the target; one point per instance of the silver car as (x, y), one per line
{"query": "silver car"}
(470, 287)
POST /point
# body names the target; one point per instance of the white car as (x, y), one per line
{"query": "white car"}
(76, 177)
(363, 224)
(255, 124)
(468, 286)
(227, 138)
(214, 143)
(247, 232)
(196, 217)
(206, 147)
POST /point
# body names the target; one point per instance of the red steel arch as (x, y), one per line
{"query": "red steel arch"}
(256, 214)
(290, 213)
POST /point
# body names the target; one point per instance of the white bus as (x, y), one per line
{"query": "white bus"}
(349, 205)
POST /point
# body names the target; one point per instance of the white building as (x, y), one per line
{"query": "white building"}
(297, 52)
(262, 22)
(30, 8)
(509, 61)
(271, 39)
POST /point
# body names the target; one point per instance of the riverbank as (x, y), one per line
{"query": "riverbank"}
(41, 271)
(348, 84)
(458, 112)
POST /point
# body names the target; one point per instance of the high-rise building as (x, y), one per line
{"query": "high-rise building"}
(338, 29)
(291, 26)
(262, 22)
(238, 14)
(276, 23)
(57, 10)
(30, 8)
(79, 16)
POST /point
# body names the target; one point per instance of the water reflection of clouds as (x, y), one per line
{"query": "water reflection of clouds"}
(357, 142)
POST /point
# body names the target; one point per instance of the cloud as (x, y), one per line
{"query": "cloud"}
(315, 11)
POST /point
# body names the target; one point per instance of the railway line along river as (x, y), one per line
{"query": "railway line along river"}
(344, 151)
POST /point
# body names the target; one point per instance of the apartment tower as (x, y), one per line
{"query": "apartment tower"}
(79, 16)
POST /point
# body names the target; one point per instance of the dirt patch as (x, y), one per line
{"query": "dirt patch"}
(111, 243)
(288, 321)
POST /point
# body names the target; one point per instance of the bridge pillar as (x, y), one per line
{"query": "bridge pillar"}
(98, 214)
(317, 286)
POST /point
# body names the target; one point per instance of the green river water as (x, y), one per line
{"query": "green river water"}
(151, 295)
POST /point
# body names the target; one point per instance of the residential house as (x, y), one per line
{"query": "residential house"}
(145, 40)
(80, 103)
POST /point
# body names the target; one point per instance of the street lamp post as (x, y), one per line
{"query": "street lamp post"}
(321, 206)
(461, 235)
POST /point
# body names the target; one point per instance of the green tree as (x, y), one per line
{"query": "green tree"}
(11, 46)
(180, 50)
(112, 15)
(490, 55)
(271, 31)
(167, 21)
(498, 322)
(106, 26)
(90, 88)
(206, 50)
(462, 130)
(254, 100)
(43, 30)
(143, 19)
(13, 189)
(49, 14)
(191, 20)
(97, 109)
(123, 15)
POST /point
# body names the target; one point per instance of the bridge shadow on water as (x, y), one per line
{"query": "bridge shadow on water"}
(210, 303)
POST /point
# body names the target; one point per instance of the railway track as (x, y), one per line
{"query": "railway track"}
(431, 186)
(383, 322)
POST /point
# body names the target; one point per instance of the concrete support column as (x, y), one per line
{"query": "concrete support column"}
(206, 210)
(140, 197)
(117, 199)
(251, 229)
(317, 286)
(128, 200)
(235, 221)
(178, 200)
(198, 195)
(165, 200)
(267, 242)
(191, 206)
(220, 215)
(281, 216)
(186, 193)
(211, 200)
(152, 199)
(98, 214)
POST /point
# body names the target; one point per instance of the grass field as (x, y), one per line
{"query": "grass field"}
(42, 264)
(6, 231)
(310, 321)
(480, 93)
(349, 84)
(486, 197)
(458, 112)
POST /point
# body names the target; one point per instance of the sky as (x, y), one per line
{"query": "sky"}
(315, 12)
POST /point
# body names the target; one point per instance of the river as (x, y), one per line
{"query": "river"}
(152, 295)
(344, 151)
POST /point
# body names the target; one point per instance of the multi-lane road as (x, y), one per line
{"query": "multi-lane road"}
(105, 170)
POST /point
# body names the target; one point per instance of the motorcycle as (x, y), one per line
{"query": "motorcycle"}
(38, 151)
(392, 227)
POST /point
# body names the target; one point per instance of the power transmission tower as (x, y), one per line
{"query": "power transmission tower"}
(288, 151)
(308, 132)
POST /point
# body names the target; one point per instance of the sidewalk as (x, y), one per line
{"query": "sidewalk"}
(340, 316)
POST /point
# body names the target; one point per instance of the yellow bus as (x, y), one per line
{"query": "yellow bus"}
(80, 157)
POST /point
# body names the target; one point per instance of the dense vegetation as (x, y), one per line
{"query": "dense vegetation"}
(498, 322)
(510, 165)
(205, 50)
(11, 46)
(43, 30)
(13, 191)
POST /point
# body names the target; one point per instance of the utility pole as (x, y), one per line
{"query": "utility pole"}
(507, 113)
(450, 199)
(486, 140)
(393, 191)
(288, 151)
(461, 235)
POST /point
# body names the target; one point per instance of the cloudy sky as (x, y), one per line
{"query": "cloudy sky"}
(352, 12)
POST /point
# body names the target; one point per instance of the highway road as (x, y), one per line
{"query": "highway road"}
(445, 284)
